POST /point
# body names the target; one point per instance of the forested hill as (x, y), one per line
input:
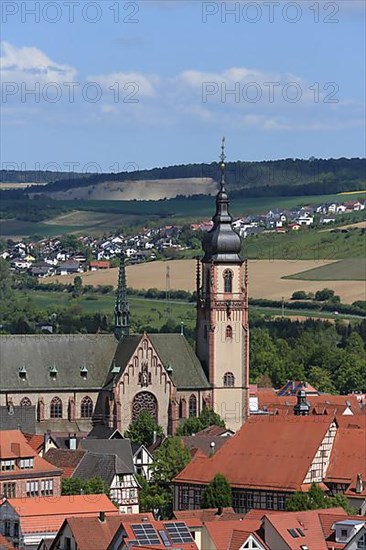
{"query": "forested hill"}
(279, 177)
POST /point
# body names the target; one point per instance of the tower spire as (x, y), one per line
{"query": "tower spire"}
(222, 163)
(121, 310)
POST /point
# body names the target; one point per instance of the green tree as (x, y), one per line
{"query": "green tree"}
(93, 486)
(217, 493)
(195, 424)
(321, 379)
(170, 459)
(143, 428)
(78, 287)
(324, 295)
(155, 498)
(316, 499)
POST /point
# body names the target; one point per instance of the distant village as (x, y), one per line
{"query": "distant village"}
(49, 257)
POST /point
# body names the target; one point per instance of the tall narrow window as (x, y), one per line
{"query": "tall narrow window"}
(229, 380)
(228, 332)
(228, 280)
(86, 407)
(56, 408)
(193, 405)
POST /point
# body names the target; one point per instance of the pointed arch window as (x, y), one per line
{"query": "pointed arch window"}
(228, 280)
(25, 402)
(56, 408)
(193, 405)
(229, 332)
(229, 380)
(86, 407)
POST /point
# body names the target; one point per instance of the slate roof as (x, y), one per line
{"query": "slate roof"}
(105, 466)
(173, 350)
(101, 431)
(119, 447)
(16, 417)
(68, 352)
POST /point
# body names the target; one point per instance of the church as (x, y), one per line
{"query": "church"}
(82, 380)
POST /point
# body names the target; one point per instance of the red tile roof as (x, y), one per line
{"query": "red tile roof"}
(13, 444)
(65, 459)
(35, 441)
(35, 512)
(348, 457)
(93, 534)
(159, 526)
(273, 452)
(238, 538)
(221, 532)
(268, 398)
(309, 524)
(208, 514)
(5, 544)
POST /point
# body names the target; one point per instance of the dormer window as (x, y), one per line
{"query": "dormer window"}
(53, 372)
(26, 463)
(84, 371)
(23, 373)
(115, 368)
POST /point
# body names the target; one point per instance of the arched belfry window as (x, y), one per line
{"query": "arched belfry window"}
(86, 407)
(229, 333)
(56, 408)
(229, 380)
(228, 280)
(193, 405)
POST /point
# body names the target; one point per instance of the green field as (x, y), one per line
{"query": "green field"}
(153, 313)
(353, 269)
(306, 244)
(117, 213)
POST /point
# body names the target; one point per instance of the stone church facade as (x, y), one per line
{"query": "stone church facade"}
(76, 381)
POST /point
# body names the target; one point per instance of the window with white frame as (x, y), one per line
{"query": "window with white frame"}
(7, 465)
(361, 543)
(26, 463)
(32, 488)
(47, 487)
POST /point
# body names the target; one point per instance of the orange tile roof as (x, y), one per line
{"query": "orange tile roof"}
(13, 444)
(35, 512)
(35, 441)
(309, 524)
(267, 397)
(93, 534)
(348, 457)
(273, 452)
(159, 526)
(208, 514)
(238, 538)
(221, 532)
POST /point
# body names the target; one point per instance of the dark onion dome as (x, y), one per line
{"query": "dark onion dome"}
(222, 243)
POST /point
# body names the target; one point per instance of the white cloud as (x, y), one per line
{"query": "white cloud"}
(29, 64)
(145, 85)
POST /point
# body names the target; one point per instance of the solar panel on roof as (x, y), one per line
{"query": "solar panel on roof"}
(178, 532)
(145, 534)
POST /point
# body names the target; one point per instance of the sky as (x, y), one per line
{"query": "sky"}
(121, 85)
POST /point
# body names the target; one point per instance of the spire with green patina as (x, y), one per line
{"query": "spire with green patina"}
(121, 310)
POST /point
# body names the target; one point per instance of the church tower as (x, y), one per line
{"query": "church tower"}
(222, 331)
(121, 310)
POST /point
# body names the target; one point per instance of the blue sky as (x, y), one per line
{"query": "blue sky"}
(159, 82)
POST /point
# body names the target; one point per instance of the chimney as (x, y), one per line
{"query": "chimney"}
(102, 517)
(220, 511)
(359, 484)
(72, 442)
